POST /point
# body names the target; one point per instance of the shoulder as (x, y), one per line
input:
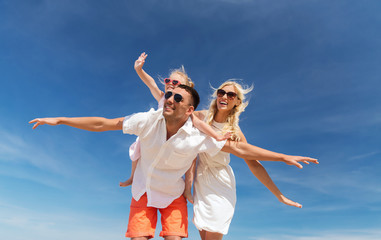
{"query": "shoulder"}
(140, 122)
(241, 135)
(144, 116)
(201, 114)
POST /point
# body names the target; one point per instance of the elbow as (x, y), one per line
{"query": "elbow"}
(99, 126)
(234, 148)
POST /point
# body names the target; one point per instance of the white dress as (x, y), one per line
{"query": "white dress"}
(214, 191)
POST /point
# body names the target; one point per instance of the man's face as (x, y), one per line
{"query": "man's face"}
(174, 110)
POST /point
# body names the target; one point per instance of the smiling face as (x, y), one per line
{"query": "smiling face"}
(178, 111)
(225, 103)
(175, 76)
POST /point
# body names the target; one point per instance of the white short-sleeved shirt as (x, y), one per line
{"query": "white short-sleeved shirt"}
(163, 162)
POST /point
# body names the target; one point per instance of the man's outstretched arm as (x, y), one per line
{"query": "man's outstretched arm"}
(94, 124)
(250, 152)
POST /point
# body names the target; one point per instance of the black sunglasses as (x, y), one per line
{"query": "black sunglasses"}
(177, 97)
(221, 93)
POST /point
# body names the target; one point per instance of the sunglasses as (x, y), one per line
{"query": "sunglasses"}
(174, 82)
(177, 97)
(221, 93)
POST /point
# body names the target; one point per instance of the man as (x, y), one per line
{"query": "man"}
(169, 143)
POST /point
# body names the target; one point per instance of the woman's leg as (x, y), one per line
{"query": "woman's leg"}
(213, 236)
(202, 234)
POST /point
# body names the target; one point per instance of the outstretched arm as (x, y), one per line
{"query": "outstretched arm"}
(260, 172)
(94, 124)
(250, 152)
(206, 128)
(146, 78)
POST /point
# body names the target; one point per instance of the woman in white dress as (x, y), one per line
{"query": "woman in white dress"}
(214, 186)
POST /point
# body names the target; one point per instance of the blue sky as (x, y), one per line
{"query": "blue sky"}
(315, 67)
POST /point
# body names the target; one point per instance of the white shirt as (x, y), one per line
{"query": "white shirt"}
(163, 162)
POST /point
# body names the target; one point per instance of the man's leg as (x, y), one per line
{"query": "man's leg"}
(174, 220)
(142, 220)
(172, 238)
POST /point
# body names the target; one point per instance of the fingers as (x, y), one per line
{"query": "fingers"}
(313, 160)
(34, 120)
(189, 197)
(307, 160)
(298, 165)
(140, 61)
(226, 136)
(37, 122)
(142, 57)
(289, 202)
(293, 204)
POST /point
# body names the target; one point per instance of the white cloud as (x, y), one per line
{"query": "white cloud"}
(363, 156)
(13, 148)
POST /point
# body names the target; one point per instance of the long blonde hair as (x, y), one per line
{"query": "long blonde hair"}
(233, 117)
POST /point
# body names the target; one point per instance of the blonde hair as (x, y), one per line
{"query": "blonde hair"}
(233, 117)
(181, 72)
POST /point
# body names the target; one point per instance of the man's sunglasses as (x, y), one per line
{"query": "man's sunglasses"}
(174, 82)
(221, 93)
(177, 97)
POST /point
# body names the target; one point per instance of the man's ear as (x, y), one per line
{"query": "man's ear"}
(190, 110)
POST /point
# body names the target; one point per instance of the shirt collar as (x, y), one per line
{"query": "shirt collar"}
(187, 127)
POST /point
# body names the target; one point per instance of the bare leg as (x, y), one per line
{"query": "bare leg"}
(213, 236)
(140, 238)
(172, 238)
(128, 182)
(202, 234)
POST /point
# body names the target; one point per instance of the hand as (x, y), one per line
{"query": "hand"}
(226, 136)
(140, 62)
(289, 202)
(126, 183)
(294, 160)
(188, 196)
(42, 121)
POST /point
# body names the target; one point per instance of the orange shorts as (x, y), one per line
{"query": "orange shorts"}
(143, 219)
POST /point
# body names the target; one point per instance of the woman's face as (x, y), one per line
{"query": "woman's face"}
(174, 76)
(226, 103)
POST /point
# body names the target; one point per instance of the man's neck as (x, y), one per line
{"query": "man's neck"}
(173, 127)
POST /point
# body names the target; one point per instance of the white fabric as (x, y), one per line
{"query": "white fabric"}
(214, 191)
(163, 162)
(134, 150)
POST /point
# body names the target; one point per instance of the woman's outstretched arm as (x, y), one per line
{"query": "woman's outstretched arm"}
(250, 152)
(260, 172)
